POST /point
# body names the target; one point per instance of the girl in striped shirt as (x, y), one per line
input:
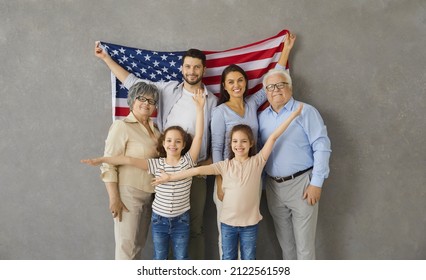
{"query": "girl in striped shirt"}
(170, 209)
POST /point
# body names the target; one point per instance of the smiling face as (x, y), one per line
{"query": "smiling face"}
(143, 108)
(235, 84)
(241, 144)
(192, 70)
(278, 97)
(173, 143)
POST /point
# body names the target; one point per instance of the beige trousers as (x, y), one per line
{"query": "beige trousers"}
(131, 233)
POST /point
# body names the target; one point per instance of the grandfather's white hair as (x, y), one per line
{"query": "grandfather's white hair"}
(277, 71)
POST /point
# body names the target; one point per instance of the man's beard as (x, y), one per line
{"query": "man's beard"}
(194, 82)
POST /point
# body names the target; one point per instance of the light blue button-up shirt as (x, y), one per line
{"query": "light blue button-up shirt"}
(304, 144)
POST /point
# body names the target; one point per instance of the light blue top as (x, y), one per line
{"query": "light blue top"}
(304, 144)
(224, 119)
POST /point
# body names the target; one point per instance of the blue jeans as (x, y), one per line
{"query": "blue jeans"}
(246, 236)
(176, 230)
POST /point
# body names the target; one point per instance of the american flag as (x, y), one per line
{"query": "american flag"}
(256, 59)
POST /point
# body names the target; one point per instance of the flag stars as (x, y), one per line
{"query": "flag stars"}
(149, 65)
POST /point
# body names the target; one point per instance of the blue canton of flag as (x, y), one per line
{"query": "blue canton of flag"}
(145, 64)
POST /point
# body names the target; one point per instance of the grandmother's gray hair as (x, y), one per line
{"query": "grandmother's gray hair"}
(141, 89)
(275, 71)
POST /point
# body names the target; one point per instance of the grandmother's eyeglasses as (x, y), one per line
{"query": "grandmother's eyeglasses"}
(143, 99)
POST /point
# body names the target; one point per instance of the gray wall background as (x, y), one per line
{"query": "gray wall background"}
(360, 63)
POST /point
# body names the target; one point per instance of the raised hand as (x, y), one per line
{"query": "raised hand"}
(99, 51)
(289, 42)
(199, 98)
(298, 111)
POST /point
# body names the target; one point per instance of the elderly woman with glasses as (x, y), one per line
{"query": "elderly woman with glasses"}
(129, 188)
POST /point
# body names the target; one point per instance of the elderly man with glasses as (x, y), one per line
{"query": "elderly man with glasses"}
(296, 169)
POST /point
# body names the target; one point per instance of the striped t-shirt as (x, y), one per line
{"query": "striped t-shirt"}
(171, 198)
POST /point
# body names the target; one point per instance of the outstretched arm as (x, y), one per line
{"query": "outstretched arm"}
(166, 177)
(115, 68)
(267, 148)
(199, 100)
(118, 160)
(288, 45)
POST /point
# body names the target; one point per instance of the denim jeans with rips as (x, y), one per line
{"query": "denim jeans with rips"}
(174, 230)
(246, 236)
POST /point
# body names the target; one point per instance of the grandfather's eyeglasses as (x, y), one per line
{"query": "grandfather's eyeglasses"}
(280, 85)
(143, 99)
